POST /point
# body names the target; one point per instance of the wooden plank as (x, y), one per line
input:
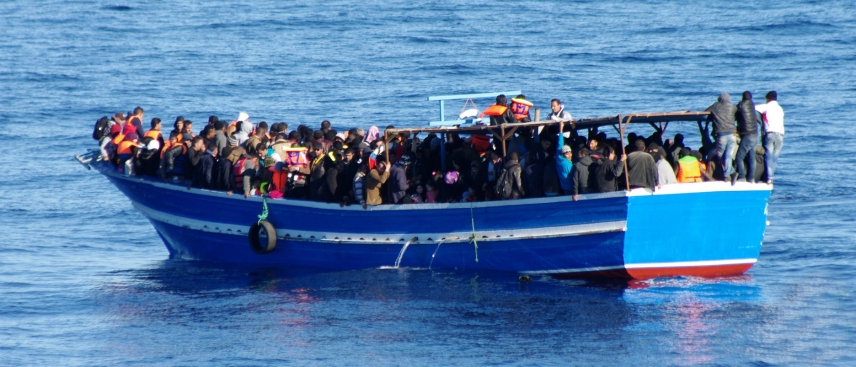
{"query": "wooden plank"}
(510, 95)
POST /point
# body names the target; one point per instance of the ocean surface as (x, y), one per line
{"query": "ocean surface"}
(85, 280)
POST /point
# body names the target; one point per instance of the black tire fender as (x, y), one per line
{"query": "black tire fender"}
(256, 240)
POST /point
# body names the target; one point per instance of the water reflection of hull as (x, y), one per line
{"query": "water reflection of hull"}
(676, 231)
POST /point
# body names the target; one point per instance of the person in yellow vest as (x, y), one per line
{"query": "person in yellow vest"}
(689, 168)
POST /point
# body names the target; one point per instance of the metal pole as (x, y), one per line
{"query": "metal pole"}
(537, 114)
(442, 111)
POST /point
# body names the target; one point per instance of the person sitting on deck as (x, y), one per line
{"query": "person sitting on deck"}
(520, 109)
(559, 113)
(178, 126)
(125, 149)
(642, 170)
(689, 168)
(170, 164)
(499, 113)
(155, 131)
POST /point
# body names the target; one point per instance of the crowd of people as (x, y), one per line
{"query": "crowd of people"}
(355, 166)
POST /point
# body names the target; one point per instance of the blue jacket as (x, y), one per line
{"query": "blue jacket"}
(563, 167)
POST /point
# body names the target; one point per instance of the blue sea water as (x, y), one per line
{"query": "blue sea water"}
(85, 280)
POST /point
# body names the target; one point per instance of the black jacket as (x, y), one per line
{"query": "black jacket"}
(722, 114)
(224, 177)
(605, 173)
(203, 176)
(747, 120)
(642, 170)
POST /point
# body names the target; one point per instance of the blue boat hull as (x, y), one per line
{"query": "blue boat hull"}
(704, 229)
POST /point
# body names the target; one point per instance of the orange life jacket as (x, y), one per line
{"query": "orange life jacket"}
(520, 108)
(494, 110)
(169, 145)
(118, 139)
(126, 147)
(689, 171)
(154, 134)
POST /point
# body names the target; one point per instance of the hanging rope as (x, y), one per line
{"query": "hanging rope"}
(473, 234)
(264, 214)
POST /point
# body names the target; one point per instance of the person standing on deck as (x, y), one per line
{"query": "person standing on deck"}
(373, 182)
(747, 127)
(641, 168)
(774, 132)
(564, 165)
(722, 113)
(665, 174)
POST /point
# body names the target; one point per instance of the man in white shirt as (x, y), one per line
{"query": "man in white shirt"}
(774, 129)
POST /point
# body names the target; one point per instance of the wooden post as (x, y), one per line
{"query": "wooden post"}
(622, 127)
(502, 132)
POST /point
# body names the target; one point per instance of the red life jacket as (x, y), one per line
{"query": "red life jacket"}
(494, 110)
(520, 108)
(238, 170)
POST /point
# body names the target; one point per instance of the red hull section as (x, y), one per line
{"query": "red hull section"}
(648, 273)
(690, 271)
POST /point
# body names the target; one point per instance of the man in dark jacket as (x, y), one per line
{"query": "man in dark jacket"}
(195, 150)
(513, 176)
(224, 176)
(203, 177)
(747, 127)
(398, 180)
(606, 171)
(580, 173)
(722, 113)
(641, 168)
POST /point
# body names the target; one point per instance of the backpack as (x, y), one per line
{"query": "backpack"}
(101, 130)
(504, 186)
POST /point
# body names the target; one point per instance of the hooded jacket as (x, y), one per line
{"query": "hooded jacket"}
(580, 176)
(244, 134)
(722, 114)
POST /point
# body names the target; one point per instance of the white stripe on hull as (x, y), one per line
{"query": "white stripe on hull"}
(380, 238)
(676, 264)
